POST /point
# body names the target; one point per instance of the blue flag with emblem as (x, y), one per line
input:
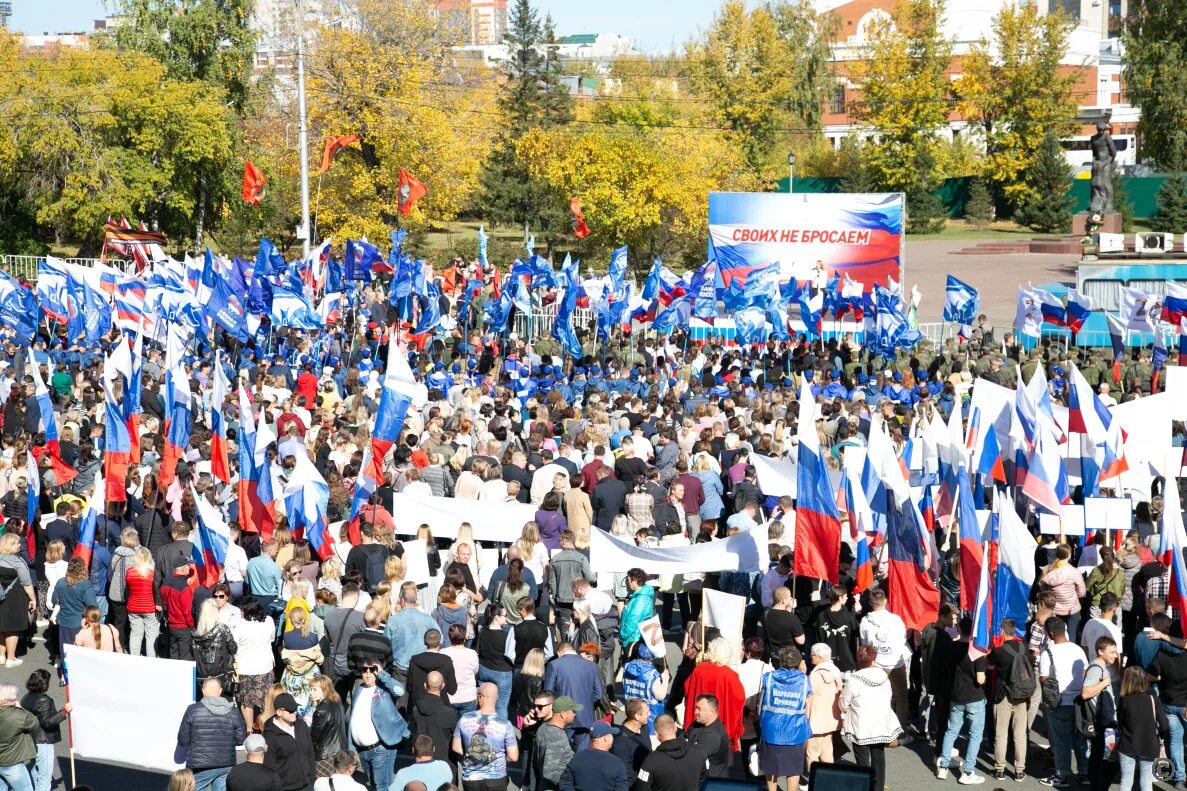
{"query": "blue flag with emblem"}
(961, 302)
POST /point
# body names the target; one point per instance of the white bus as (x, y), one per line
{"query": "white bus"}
(1078, 150)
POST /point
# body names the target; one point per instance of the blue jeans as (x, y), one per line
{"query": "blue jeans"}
(43, 770)
(1145, 772)
(379, 764)
(1177, 721)
(214, 779)
(1061, 726)
(465, 708)
(16, 777)
(960, 713)
(503, 681)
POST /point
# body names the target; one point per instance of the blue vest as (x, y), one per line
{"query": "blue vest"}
(637, 679)
(783, 717)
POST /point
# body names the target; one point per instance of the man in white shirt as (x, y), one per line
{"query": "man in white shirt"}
(887, 633)
(542, 480)
(599, 601)
(1101, 626)
(1067, 662)
(235, 565)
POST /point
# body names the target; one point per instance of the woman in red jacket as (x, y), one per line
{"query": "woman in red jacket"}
(714, 676)
(143, 622)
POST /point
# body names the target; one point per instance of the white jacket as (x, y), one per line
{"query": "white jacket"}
(869, 717)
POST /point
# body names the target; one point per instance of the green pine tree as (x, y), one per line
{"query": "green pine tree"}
(858, 175)
(532, 97)
(1047, 207)
(1172, 205)
(925, 210)
(978, 209)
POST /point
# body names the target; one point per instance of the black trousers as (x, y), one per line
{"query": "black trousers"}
(181, 643)
(873, 756)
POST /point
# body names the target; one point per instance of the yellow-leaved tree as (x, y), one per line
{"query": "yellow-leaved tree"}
(386, 74)
(1013, 90)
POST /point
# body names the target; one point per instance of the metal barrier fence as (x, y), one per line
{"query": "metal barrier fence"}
(538, 324)
(26, 265)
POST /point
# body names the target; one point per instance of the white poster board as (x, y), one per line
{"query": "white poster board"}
(416, 561)
(1071, 523)
(726, 612)
(491, 520)
(1108, 513)
(105, 712)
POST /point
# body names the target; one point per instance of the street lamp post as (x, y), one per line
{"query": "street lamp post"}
(790, 173)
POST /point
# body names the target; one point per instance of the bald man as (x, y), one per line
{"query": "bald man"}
(432, 716)
(675, 765)
(487, 766)
(424, 772)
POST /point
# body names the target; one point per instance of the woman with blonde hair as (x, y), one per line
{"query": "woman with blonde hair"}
(143, 624)
(465, 536)
(331, 576)
(182, 780)
(381, 600)
(578, 511)
(527, 684)
(55, 569)
(96, 634)
(469, 483)
(284, 546)
(214, 645)
(395, 568)
(302, 657)
(532, 550)
(268, 709)
(17, 608)
(327, 728)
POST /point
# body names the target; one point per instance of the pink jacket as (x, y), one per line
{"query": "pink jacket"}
(824, 702)
(1068, 586)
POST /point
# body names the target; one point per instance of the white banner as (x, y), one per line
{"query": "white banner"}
(653, 635)
(492, 521)
(775, 478)
(108, 706)
(743, 552)
(727, 612)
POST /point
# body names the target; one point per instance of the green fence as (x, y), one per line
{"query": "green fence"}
(1142, 192)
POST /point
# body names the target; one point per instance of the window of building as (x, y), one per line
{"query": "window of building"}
(836, 103)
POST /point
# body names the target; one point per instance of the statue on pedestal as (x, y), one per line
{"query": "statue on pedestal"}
(1104, 155)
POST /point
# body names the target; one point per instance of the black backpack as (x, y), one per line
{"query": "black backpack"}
(1019, 682)
(1051, 694)
(373, 571)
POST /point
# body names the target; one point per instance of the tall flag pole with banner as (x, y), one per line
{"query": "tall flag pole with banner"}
(1015, 568)
(817, 519)
(961, 303)
(220, 466)
(1171, 542)
(132, 397)
(33, 504)
(580, 229)
(212, 536)
(177, 406)
(394, 402)
(1117, 338)
(334, 144)
(117, 443)
(256, 509)
(306, 504)
(96, 506)
(409, 190)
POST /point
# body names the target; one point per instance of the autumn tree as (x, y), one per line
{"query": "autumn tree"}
(84, 140)
(532, 98)
(904, 87)
(388, 76)
(763, 71)
(1013, 91)
(1156, 78)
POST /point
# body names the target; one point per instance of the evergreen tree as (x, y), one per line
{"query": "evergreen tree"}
(532, 98)
(978, 209)
(1122, 204)
(858, 176)
(925, 210)
(1047, 207)
(1172, 205)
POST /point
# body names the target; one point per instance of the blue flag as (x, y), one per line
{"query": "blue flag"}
(618, 267)
(703, 290)
(359, 261)
(961, 302)
(269, 261)
(751, 324)
(227, 310)
(335, 277)
(430, 309)
(482, 246)
(675, 315)
(19, 309)
(652, 284)
(290, 308)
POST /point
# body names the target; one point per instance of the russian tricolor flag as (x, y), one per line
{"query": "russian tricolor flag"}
(1171, 542)
(1079, 308)
(177, 407)
(911, 594)
(1174, 305)
(220, 466)
(1087, 415)
(364, 487)
(117, 442)
(86, 530)
(399, 387)
(1046, 478)
(1051, 307)
(983, 613)
(1015, 574)
(1117, 335)
(817, 520)
(130, 294)
(306, 504)
(33, 507)
(211, 539)
(256, 509)
(132, 403)
(972, 549)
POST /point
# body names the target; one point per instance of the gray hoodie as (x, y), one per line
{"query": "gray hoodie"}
(121, 561)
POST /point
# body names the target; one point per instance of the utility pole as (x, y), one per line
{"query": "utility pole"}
(303, 130)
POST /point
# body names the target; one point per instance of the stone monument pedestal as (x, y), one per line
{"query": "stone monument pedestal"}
(1111, 223)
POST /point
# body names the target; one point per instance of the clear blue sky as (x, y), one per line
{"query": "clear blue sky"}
(654, 25)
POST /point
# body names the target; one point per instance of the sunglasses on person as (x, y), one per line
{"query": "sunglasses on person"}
(220, 595)
(541, 705)
(370, 669)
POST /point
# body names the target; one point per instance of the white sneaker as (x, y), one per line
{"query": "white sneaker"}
(955, 753)
(971, 779)
(941, 773)
(14, 662)
(42, 623)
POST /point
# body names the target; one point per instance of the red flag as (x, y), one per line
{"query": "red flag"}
(580, 230)
(496, 282)
(253, 183)
(334, 144)
(409, 191)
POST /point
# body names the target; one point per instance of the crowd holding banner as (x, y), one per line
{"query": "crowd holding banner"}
(382, 525)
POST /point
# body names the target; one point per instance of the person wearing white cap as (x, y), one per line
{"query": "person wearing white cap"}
(253, 775)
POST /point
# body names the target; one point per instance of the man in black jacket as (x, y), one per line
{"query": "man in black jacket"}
(426, 662)
(252, 774)
(433, 717)
(675, 765)
(210, 731)
(609, 497)
(290, 749)
(709, 734)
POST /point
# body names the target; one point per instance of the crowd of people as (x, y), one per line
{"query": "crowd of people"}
(338, 672)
